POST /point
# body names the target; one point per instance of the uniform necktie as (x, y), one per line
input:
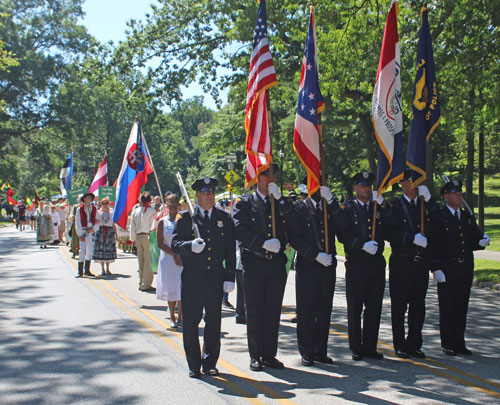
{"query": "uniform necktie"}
(365, 206)
(206, 219)
(412, 202)
(268, 203)
(456, 215)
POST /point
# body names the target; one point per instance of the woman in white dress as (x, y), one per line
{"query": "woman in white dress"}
(105, 237)
(168, 281)
(56, 221)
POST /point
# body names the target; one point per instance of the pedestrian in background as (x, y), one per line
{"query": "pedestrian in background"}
(44, 228)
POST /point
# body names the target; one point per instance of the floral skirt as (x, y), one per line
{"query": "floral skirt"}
(105, 245)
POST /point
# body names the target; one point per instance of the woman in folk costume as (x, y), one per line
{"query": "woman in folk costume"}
(168, 281)
(44, 228)
(56, 221)
(105, 237)
(85, 220)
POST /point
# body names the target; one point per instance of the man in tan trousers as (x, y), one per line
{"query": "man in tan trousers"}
(142, 219)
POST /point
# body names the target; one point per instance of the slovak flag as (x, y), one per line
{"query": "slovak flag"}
(133, 175)
(101, 177)
(387, 110)
(306, 138)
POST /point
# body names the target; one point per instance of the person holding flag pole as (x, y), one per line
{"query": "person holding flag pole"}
(315, 245)
(260, 228)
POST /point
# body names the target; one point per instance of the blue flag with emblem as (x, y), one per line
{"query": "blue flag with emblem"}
(426, 113)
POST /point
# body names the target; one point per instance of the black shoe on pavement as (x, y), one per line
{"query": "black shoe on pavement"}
(150, 289)
(402, 354)
(212, 372)
(227, 304)
(449, 352)
(194, 374)
(323, 359)
(255, 365)
(241, 320)
(417, 353)
(356, 356)
(464, 351)
(373, 354)
(273, 363)
(294, 319)
(307, 361)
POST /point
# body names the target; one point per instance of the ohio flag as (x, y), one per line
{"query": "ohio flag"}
(387, 111)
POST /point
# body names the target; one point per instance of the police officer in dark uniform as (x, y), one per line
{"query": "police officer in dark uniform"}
(365, 267)
(457, 237)
(264, 264)
(410, 263)
(315, 272)
(204, 277)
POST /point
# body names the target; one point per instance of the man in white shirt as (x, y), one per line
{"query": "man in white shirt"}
(85, 220)
(142, 219)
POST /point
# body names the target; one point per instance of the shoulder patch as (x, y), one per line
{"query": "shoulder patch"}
(179, 216)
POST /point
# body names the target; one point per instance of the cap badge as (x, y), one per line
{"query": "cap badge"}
(206, 180)
(455, 183)
(365, 175)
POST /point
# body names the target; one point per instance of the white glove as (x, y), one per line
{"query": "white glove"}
(424, 192)
(370, 247)
(228, 286)
(274, 190)
(420, 240)
(272, 245)
(324, 258)
(438, 275)
(325, 193)
(485, 241)
(379, 198)
(198, 245)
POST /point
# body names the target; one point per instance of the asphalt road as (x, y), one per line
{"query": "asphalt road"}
(66, 340)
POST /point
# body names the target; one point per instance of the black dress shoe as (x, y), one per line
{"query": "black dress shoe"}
(273, 363)
(357, 356)
(373, 354)
(255, 365)
(150, 289)
(213, 372)
(417, 353)
(323, 359)
(402, 354)
(294, 319)
(464, 351)
(194, 374)
(241, 320)
(307, 360)
(449, 352)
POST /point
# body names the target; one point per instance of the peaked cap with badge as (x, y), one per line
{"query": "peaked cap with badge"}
(454, 186)
(205, 184)
(363, 178)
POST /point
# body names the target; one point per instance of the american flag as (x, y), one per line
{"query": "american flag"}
(306, 138)
(262, 76)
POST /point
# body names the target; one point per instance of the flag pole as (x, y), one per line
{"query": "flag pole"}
(323, 181)
(271, 171)
(152, 164)
(374, 218)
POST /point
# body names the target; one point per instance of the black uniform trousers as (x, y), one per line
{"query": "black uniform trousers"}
(453, 298)
(314, 289)
(264, 283)
(365, 283)
(240, 294)
(408, 283)
(201, 291)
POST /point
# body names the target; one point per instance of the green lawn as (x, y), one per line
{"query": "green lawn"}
(5, 222)
(487, 270)
(491, 210)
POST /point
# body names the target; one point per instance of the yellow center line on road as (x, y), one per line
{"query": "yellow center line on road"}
(108, 290)
(434, 368)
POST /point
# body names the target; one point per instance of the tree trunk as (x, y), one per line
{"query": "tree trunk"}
(469, 174)
(480, 196)
(370, 153)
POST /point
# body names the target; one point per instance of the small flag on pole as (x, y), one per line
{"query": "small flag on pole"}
(426, 113)
(101, 177)
(262, 76)
(306, 138)
(66, 174)
(387, 111)
(133, 175)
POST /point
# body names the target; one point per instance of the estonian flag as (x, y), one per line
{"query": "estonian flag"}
(66, 174)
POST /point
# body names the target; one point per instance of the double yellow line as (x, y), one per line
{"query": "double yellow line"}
(127, 305)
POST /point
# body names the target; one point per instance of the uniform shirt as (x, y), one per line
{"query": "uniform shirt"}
(142, 219)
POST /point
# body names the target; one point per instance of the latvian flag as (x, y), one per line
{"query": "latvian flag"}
(262, 76)
(306, 138)
(101, 177)
(387, 113)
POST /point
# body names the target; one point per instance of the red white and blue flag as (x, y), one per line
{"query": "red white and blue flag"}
(133, 175)
(307, 137)
(387, 111)
(101, 177)
(262, 76)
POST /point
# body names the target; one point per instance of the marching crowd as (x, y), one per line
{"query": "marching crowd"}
(203, 251)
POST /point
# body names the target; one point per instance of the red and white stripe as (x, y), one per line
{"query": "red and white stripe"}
(101, 177)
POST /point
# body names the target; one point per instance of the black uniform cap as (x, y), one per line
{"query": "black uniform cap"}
(205, 184)
(276, 169)
(454, 186)
(363, 178)
(406, 175)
